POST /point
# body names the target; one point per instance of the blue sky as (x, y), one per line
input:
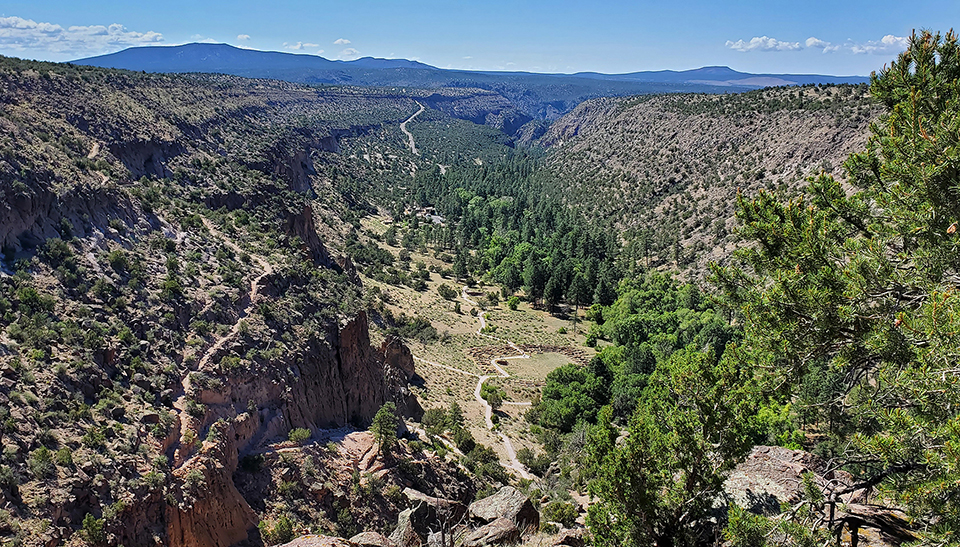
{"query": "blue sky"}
(815, 36)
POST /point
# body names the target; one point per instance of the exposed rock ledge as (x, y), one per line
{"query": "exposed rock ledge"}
(339, 379)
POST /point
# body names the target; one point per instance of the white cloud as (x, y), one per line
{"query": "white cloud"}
(763, 43)
(18, 34)
(199, 38)
(817, 43)
(349, 52)
(341, 41)
(299, 46)
(243, 37)
(889, 44)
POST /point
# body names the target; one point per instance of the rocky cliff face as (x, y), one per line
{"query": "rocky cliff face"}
(345, 383)
(147, 158)
(301, 225)
(338, 379)
(399, 373)
(480, 107)
(209, 510)
(31, 215)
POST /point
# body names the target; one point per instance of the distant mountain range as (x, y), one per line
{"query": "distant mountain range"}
(544, 96)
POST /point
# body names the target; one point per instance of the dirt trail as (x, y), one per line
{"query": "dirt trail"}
(514, 463)
(266, 269)
(446, 367)
(403, 127)
(94, 150)
(180, 404)
(487, 409)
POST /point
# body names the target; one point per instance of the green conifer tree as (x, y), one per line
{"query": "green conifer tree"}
(865, 286)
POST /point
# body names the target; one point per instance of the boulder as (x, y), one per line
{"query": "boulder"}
(441, 509)
(498, 532)
(412, 526)
(508, 503)
(372, 539)
(772, 475)
(319, 541)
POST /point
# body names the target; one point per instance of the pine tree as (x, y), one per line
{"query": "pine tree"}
(865, 286)
(384, 428)
(689, 429)
(535, 277)
(460, 265)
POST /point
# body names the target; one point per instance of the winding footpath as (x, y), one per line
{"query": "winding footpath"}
(180, 404)
(403, 127)
(94, 150)
(514, 463)
(265, 269)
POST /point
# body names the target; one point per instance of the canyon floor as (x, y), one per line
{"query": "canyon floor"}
(516, 351)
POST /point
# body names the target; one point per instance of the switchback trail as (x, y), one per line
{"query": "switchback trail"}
(487, 409)
(265, 269)
(403, 127)
(180, 404)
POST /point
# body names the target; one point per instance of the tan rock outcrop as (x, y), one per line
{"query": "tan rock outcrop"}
(772, 475)
(508, 503)
(398, 373)
(210, 511)
(337, 379)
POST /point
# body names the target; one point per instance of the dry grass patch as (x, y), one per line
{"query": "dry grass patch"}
(537, 366)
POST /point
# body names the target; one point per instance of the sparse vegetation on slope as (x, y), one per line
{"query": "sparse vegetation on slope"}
(172, 296)
(666, 169)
